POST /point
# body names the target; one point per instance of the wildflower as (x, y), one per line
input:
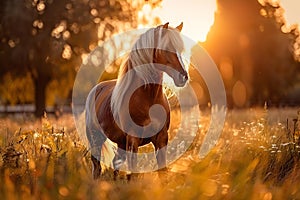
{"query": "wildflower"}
(45, 148)
(36, 135)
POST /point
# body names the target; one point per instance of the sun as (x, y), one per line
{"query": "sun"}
(197, 16)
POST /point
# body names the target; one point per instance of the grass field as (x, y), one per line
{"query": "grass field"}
(257, 157)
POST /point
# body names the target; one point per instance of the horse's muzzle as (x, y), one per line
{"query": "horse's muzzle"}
(182, 79)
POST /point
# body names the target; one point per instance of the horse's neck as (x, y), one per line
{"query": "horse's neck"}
(150, 91)
(153, 91)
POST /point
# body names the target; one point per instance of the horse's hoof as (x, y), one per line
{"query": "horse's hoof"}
(96, 173)
(132, 176)
(129, 176)
(164, 169)
(96, 176)
(116, 174)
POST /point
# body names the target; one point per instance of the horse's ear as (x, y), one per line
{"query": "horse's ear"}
(166, 25)
(179, 28)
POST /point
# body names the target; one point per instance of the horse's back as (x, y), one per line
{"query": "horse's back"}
(102, 115)
(103, 98)
(98, 100)
(103, 88)
(102, 95)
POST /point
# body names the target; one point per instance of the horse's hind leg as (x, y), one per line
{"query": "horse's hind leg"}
(161, 150)
(119, 158)
(96, 141)
(131, 152)
(160, 145)
(96, 164)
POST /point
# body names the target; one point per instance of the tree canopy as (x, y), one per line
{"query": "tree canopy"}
(254, 51)
(45, 40)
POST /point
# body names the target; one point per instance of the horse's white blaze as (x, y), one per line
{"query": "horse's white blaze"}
(180, 59)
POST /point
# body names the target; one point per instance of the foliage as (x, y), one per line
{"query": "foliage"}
(46, 39)
(255, 52)
(46, 160)
(16, 90)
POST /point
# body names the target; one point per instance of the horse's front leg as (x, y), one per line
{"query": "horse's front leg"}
(96, 140)
(96, 167)
(160, 145)
(132, 144)
(118, 160)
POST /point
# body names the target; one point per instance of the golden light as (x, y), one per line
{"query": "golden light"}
(40, 6)
(67, 52)
(66, 35)
(291, 8)
(196, 15)
(38, 24)
(11, 43)
(146, 16)
(94, 12)
(56, 32)
(239, 94)
(226, 68)
(84, 58)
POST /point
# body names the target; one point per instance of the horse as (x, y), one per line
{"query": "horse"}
(155, 52)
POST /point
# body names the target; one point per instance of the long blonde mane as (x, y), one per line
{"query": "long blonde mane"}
(142, 55)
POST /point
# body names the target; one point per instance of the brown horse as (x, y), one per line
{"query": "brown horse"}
(123, 110)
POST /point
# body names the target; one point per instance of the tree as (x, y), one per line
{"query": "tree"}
(256, 58)
(47, 38)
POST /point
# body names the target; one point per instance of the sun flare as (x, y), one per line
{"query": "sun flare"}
(197, 16)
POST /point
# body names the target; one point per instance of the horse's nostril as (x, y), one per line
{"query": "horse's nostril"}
(185, 77)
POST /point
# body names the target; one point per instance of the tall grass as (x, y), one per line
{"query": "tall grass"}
(257, 157)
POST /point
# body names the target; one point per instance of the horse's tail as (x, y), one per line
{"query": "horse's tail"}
(97, 140)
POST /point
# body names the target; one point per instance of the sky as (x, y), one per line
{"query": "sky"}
(198, 15)
(292, 11)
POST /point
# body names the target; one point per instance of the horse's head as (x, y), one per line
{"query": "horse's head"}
(168, 53)
(161, 47)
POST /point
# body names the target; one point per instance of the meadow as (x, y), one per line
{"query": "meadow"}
(257, 157)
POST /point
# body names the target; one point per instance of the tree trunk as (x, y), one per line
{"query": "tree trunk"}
(40, 84)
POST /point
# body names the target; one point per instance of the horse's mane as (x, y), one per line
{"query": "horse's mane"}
(142, 55)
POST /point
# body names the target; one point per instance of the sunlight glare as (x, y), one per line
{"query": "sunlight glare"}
(40, 6)
(196, 15)
(67, 52)
(291, 8)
